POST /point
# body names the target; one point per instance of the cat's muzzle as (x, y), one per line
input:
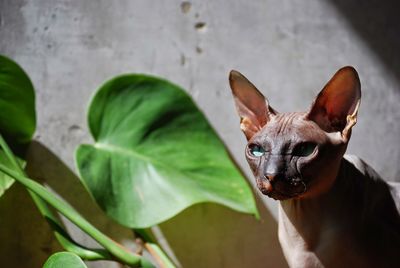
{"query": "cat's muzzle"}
(281, 188)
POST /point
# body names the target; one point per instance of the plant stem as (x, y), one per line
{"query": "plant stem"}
(159, 255)
(119, 252)
(154, 249)
(61, 235)
(114, 248)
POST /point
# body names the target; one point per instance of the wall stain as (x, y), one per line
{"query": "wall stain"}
(200, 26)
(185, 7)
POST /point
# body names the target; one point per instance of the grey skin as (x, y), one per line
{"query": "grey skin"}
(334, 211)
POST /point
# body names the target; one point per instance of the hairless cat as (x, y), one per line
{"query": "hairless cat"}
(334, 210)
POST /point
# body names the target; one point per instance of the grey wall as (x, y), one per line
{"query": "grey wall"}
(289, 49)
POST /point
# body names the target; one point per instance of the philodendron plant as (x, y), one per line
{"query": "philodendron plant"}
(154, 154)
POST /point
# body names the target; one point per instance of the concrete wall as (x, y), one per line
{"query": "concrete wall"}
(288, 48)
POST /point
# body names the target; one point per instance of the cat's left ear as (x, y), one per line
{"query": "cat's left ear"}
(336, 106)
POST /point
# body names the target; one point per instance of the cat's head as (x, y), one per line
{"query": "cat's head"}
(297, 155)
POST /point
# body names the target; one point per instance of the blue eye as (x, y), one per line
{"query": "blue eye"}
(256, 150)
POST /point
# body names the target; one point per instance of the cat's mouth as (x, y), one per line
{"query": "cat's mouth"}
(283, 189)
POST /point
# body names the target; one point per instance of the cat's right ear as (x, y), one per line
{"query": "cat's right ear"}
(336, 106)
(251, 105)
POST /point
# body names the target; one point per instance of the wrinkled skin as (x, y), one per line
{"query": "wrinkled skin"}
(282, 172)
(333, 211)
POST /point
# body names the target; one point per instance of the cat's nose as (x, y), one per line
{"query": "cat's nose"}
(270, 177)
(273, 177)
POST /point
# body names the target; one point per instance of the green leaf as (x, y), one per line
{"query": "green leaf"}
(17, 111)
(64, 260)
(155, 154)
(17, 104)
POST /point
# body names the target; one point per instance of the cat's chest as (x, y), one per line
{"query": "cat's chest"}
(317, 242)
(296, 250)
(329, 248)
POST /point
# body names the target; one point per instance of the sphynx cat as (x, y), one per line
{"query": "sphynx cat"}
(334, 211)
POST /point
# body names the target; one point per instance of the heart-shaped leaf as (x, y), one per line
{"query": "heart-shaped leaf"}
(64, 260)
(155, 154)
(17, 104)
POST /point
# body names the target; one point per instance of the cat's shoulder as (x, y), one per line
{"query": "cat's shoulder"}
(362, 166)
(369, 172)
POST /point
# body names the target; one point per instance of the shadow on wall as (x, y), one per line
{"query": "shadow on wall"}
(205, 235)
(377, 22)
(212, 236)
(26, 239)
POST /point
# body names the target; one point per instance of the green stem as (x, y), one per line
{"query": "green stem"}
(115, 249)
(61, 235)
(42, 193)
(159, 255)
(154, 249)
(69, 244)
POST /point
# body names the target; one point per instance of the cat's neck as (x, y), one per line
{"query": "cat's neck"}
(358, 204)
(314, 230)
(308, 217)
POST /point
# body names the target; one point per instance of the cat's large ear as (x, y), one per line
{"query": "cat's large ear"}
(251, 105)
(336, 106)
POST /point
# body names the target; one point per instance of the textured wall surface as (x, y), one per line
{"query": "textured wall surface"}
(289, 49)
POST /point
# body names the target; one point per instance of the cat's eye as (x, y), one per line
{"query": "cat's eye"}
(256, 150)
(304, 149)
